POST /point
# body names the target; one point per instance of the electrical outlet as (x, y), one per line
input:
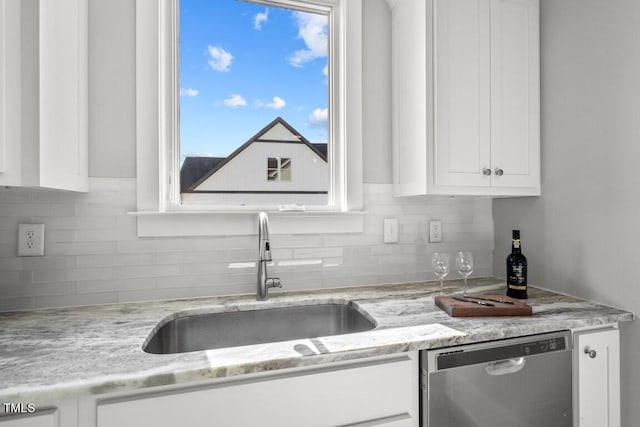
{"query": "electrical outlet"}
(30, 239)
(390, 230)
(435, 231)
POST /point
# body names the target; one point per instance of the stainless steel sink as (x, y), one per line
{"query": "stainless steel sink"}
(237, 328)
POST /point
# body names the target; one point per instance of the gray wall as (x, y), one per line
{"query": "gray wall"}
(581, 236)
(112, 88)
(377, 92)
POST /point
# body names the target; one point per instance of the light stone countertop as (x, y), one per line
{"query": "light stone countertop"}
(70, 352)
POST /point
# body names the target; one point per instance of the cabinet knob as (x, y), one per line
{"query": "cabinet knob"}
(499, 172)
(486, 171)
(592, 353)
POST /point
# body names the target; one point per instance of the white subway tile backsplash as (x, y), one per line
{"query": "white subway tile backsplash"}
(93, 255)
(48, 262)
(108, 285)
(50, 289)
(115, 260)
(80, 248)
(74, 299)
(51, 276)
(94, 236)
(8, 249)
(315, 253)
(81, 223)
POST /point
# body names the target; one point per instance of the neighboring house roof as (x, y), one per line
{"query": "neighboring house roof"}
(194, 168)
(191, 185)
(322, 149)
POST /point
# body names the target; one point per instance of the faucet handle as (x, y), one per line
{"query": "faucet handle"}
(266, 252)
(273, 282)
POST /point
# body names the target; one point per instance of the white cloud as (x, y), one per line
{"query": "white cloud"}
(312, 29)
(235, 101)
(325, 70)
(277, 103)
(319, 117)
(188, 92)
(260, 19)
(219, 59)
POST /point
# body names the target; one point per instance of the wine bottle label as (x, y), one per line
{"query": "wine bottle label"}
(516, 244)
(517, 274)
(517, 287)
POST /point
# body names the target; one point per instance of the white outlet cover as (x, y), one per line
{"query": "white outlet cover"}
(435, 231)
(30, 239)
(390, 230)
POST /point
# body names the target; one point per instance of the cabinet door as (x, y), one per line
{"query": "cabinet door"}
(515, 93)
(412, 117)
(10, 82)
(43, 94)
(597, 360)
(63, 103)
(462, 96)
(367, 393)
(39, 419)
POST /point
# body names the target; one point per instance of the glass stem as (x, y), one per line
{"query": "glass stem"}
(442, 286)
(465, 286)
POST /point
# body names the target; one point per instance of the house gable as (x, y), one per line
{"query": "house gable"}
(279, 132)
(280, 136)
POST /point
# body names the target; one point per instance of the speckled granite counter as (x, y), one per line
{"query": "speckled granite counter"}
(57, 353)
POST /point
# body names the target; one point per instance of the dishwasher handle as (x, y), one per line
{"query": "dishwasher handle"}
(505, 367)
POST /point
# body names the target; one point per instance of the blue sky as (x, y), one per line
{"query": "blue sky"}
(244, 64)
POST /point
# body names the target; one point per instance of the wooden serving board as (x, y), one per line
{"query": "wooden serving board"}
(455, 308)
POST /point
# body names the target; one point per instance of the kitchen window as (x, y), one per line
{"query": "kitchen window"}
(245, 67)
(161, 210)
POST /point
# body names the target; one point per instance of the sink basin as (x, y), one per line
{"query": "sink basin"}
(237, 328)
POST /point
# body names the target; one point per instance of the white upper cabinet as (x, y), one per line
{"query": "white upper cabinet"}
(466, 97)
(44, 94)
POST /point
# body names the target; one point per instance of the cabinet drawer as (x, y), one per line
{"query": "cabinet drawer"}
(367, 393)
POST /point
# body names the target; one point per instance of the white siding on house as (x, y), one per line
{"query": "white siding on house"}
(248, 170)
(279, 133)
(254, 199)
(243, 178)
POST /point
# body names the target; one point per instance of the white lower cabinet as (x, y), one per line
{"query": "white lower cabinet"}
(62, 413)
(597, 378)
(379, 392)
(41, 419)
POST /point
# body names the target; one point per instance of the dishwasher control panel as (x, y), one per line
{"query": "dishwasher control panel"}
(509, 349)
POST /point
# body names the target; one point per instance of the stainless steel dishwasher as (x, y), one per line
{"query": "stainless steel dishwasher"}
(520, 382)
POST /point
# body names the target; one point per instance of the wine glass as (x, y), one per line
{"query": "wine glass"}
(440, 264)
(464, 264)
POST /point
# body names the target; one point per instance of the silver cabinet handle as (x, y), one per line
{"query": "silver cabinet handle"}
(592, 353)
(486, 171)
(499, 172)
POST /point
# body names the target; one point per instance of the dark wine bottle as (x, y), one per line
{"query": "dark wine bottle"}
(516, 269)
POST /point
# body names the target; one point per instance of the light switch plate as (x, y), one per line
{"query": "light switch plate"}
(30, 239)
(435, 231)
(390, 234)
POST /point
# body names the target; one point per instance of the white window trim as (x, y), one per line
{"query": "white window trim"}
(158, 212)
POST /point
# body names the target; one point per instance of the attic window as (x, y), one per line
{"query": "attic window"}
(278, 169)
